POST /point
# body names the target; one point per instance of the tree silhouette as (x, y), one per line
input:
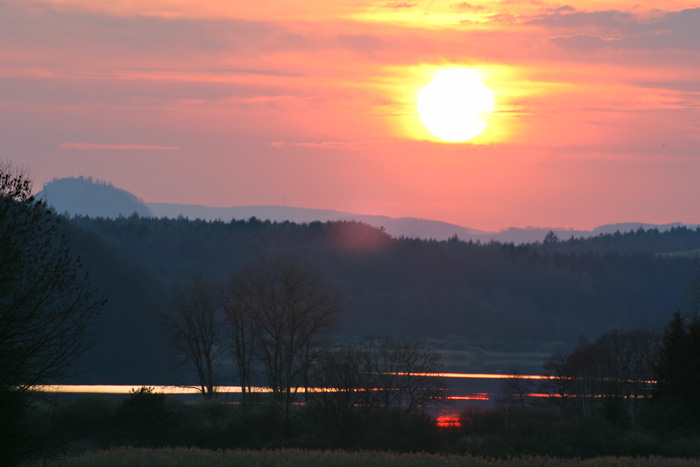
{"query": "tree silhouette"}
(46, 304)
(512, 396)
(292, 312)
(677, 371)
(235, 302)
(615, 369)
(406, 373)
(346, 409)
(194, 324)
(373, 379)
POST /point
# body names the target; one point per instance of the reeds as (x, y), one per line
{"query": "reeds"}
(195, 457)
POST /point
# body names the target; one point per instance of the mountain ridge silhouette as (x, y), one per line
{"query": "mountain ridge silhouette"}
(86, 196)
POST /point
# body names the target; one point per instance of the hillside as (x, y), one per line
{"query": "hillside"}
(87, 197)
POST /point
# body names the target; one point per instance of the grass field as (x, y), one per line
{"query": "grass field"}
(195, 457)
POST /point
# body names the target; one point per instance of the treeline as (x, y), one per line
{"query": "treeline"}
(675, 240)
(615, 372)
(625, 393)
(495, 293)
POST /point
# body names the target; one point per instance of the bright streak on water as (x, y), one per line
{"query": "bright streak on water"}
(180, 390)
(127, 388)
(175, 390)
(478, 375)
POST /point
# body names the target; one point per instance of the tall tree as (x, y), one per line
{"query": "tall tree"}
(46, 303)
(677, 371)
(670, 369)
(238, 309)
(195, 326)
(559, 382)
(292, 313)
(512, 395)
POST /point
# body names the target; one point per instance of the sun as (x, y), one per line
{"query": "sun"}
(455, 105)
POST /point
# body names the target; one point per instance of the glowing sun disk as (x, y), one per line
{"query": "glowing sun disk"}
(455, 105)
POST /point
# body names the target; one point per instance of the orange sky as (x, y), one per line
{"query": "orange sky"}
(226, 102)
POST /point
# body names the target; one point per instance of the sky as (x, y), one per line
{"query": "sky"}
(313, 104)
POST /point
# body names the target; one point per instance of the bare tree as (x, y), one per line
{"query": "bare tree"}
(559, 382)
(407, 373)
(512, 394)
(240, 332)
(375, 375)
(386, 369)
(615, 369)
(292, 313)
(46, 301)
(195, 326)
(348, 397)
(421, 385)
(625, 365)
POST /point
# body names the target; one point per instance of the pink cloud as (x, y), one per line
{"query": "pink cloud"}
(111, 147)
(319, 145)
(467, 6)
(399, 5)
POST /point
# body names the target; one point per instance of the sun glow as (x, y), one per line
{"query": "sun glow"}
(455, 105)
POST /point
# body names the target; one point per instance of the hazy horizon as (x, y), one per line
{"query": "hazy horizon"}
(277, 212)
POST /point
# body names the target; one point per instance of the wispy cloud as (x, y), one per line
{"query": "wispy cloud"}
(111, 147)
(467, 6)
(211, 71)
(399, 5)
(320, 144)
(611, 29)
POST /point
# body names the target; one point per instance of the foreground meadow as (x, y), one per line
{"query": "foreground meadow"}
(195, 457)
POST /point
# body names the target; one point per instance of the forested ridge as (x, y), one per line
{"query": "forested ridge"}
(554, 290)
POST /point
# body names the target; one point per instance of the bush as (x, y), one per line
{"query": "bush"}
(259, 426)
(144, 420)
(637, 443)
(683, 447)
(203, 424)
(401, 431)
(87, 422)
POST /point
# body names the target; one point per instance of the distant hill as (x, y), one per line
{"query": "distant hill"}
(396, 227)
(84, 196)
(401, 227)
(630, 226)
(87, 197)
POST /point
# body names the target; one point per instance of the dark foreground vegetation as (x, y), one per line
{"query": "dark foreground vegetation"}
(624, 394)
(195, 457)
(600, 401)
(512, 428)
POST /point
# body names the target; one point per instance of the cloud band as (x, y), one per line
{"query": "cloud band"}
(112, 147)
